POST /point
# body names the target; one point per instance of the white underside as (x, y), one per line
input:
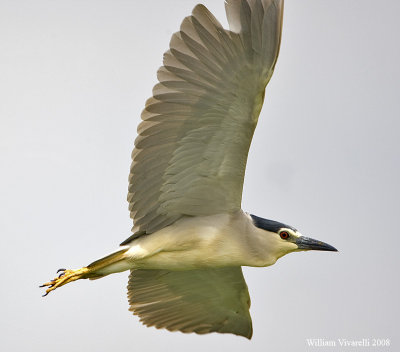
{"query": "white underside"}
(196, 242)
(192, 242)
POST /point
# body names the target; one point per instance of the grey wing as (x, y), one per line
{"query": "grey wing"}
(200, 301)
(191, 152)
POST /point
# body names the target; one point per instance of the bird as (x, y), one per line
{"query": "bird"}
(190, 237)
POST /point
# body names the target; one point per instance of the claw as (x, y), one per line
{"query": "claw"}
(65, 277)
(46, 284)
(61, 270)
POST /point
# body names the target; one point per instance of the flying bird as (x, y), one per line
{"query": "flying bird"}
(190, 236)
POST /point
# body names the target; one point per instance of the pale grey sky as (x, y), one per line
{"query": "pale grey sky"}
(74, 76)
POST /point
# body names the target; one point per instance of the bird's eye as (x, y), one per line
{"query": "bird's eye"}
(284, 235)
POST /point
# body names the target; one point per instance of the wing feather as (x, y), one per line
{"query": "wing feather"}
(200, 301)
(191, 151)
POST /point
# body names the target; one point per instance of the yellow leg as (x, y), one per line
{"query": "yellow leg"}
(92, 271)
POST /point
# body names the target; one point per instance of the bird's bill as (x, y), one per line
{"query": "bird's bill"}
(306, 244)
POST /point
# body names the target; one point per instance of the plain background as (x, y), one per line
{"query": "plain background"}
(74, 76)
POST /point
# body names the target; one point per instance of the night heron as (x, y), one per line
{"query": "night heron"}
(190, 236)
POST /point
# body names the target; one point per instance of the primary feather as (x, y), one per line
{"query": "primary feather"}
(191, 152)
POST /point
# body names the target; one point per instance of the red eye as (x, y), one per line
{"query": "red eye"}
(284, 235)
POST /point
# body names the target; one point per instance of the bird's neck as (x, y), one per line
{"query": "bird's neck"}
(264, 248)
(260, 248)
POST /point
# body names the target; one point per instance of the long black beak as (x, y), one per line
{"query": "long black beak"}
(306, 243)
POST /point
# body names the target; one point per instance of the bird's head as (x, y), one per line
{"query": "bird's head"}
(284, 239)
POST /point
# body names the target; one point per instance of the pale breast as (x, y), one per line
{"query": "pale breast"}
(190, 243)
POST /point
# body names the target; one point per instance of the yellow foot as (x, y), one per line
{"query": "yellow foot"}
(65, 277)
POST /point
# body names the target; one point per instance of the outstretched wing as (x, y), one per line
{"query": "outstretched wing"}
(200, 301)
(191, 152)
